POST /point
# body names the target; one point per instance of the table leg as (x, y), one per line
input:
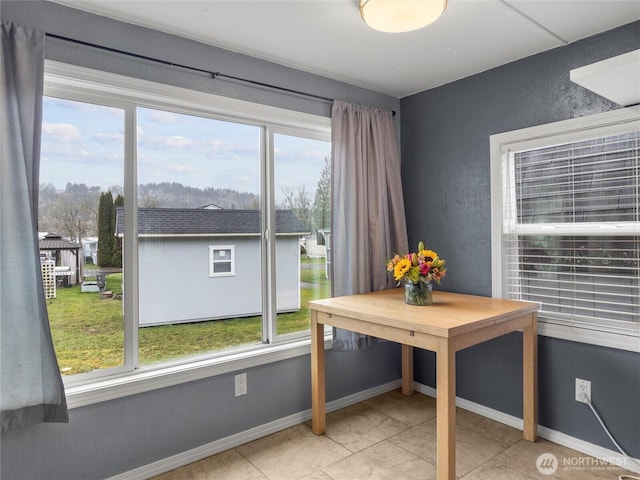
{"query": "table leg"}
(446, 410)
(318, 407)
(530, 380)
(407, 370)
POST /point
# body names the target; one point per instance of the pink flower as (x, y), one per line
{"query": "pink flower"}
(424, 268)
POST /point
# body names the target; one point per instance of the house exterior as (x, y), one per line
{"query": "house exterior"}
(90, 247)
(204, 264)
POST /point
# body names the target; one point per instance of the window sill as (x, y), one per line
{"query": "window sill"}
(629, 341)
(153, 379)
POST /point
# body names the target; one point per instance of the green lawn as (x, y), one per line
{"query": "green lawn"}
(88, 331)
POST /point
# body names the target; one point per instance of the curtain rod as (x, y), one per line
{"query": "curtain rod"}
(213, 75)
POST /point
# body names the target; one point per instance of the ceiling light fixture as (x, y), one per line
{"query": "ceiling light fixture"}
(396, 16)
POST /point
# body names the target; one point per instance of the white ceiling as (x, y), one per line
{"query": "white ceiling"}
(328, 37)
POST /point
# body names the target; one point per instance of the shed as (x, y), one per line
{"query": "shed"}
(67, 256)
(199, 264)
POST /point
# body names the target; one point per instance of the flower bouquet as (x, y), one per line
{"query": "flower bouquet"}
(417, 270)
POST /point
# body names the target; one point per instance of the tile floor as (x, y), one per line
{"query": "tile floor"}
(391, 437)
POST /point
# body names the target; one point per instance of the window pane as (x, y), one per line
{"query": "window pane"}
(589, 181)
(81, 175)
(303, 201)
(224, 267)
(222, 255)
(199, 184)
(585, 278)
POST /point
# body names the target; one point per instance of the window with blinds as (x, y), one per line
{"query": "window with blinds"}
(570, 227)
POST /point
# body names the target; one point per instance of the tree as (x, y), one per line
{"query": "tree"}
(254, 203)
(70, 213)
(105, 230)
(147, 200)
(322, 199)
(300, 203)
(116, 260)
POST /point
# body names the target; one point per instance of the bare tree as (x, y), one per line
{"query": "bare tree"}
(73, 218)
(149, 201)
(254, 203)
(322, 199)
(300, 203)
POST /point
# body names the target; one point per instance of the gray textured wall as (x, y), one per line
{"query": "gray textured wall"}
(112, 437)
(445, 136)
(446, 179)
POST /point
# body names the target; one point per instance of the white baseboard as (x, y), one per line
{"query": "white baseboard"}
(611, 456)
(204, 451)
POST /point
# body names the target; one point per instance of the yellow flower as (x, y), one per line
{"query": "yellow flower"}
(429, 254)
(401, 268)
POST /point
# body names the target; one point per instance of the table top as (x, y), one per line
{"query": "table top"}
(451, 314)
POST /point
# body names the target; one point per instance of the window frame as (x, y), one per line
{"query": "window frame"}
(231, 261)
(83, 84)
(566, 131)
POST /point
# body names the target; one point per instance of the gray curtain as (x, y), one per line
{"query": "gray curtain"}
(31, 389)
(368, 218)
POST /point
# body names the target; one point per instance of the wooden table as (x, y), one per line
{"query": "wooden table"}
(452, 323)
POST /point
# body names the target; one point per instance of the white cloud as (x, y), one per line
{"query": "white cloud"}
(159, 116)
(106, 137)
(181, 168)
(64, 132)
(177, 141)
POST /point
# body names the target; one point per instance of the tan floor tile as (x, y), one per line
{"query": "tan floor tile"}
(494, 471)
(292, 453)
(317, 475)
(411, 410)
(229, 465)
(383, 461)
(473, 448)
(376, 440)
(359, 426)
(466, 420)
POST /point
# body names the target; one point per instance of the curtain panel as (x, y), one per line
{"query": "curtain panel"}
(368, 216)
(31, 388)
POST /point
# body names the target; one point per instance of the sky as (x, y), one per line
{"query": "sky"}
(84, 143)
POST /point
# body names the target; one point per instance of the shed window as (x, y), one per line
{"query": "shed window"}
(221, 261)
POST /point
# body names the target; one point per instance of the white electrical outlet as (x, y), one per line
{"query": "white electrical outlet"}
(241, 384)
(583, 391)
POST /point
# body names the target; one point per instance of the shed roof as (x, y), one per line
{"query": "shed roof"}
(53, 241)
(199, 221)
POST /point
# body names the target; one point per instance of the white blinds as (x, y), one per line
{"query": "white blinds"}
(572, 230)
(588, 181)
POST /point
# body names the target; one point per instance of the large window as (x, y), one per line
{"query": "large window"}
(195, 220)
(566, 216)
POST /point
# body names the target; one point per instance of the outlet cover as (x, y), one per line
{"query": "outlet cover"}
(241, 384)
(583, 390)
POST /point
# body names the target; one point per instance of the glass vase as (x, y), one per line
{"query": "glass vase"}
(419, 293)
